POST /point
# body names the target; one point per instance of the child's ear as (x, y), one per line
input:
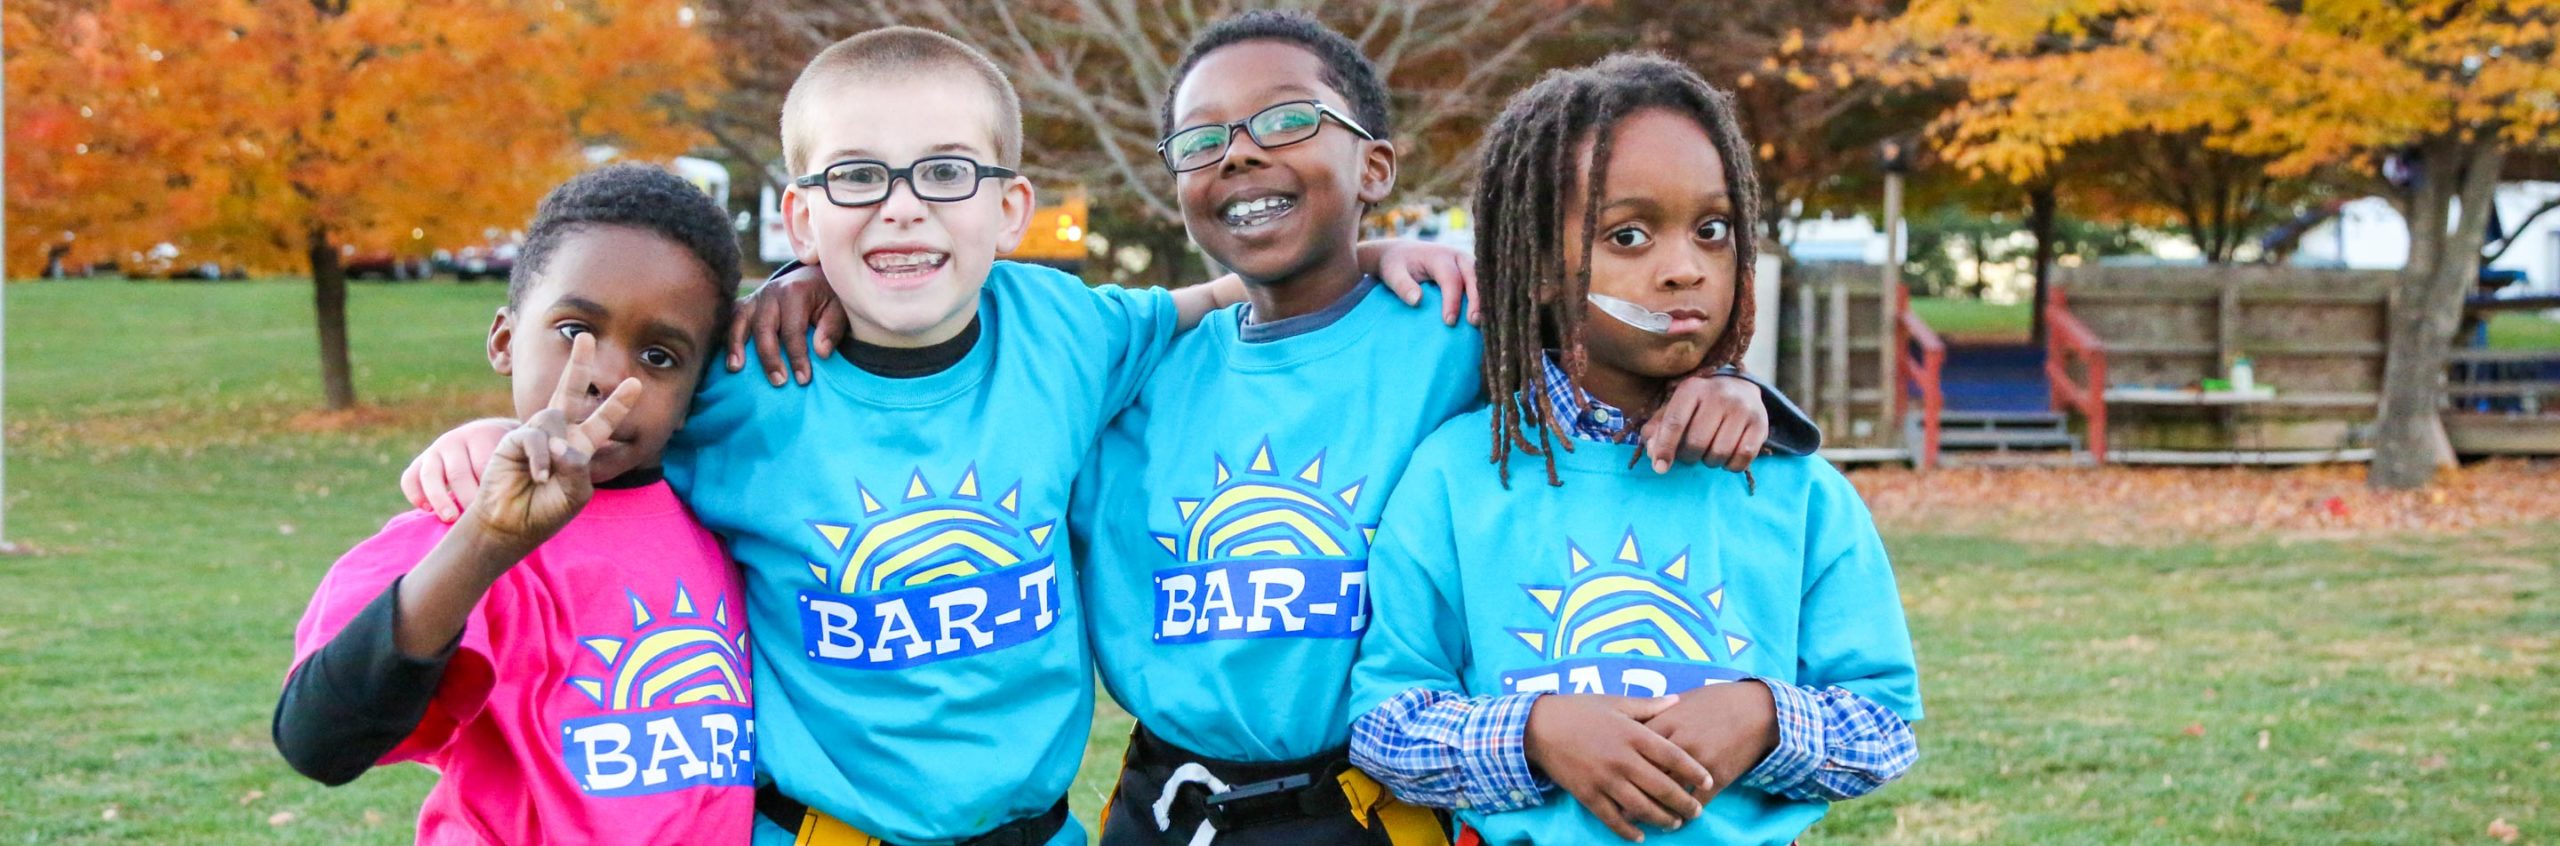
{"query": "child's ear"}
(1019, 202)
(1377, 172)
(795, 217)
(502, 336)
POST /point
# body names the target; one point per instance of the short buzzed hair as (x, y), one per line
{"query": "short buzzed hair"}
(891, 53)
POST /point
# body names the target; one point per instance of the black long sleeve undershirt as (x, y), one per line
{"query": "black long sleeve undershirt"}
(358, 697)
(355, 699)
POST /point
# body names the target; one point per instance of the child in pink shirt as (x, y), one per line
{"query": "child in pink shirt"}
(571, 653)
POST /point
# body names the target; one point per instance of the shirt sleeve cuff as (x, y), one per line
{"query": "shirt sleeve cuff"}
(1791, 431)
(1495, 756)
(1800, 740)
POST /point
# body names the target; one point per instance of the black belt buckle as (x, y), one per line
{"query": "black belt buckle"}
(1260, 803)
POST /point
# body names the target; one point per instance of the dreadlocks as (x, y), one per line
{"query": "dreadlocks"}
(1535, 303)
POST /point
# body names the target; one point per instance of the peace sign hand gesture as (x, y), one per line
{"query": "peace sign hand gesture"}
(537, 479)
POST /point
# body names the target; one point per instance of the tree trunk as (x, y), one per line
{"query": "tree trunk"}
(2426, 305)
(329, 306)
(2040, 221)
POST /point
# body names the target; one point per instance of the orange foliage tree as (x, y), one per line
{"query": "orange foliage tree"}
(2452, 86)
(273, 133)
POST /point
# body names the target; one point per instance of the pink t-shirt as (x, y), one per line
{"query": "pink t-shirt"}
(600, 692)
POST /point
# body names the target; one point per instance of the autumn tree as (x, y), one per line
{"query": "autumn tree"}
(1091, 75)
(274, 133)
(2450, 88)
(1814, 121)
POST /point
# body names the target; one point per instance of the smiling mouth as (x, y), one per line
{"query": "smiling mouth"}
(1244, 214)
(904, 264)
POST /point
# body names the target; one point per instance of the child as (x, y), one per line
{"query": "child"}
(1678, 651)
(1222, 524)
(570, 655)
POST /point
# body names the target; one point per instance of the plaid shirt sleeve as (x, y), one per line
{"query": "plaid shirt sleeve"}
(1832, 745)
(1438, 749)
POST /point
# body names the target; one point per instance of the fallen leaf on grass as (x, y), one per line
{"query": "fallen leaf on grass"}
(2262, 740)
(2146, 505)
(114, 811)
(372, 817)
(251, 796)
(2505, 831)
(280, 818)
(2195, 729)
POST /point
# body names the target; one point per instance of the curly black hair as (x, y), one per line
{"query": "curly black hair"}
(1533, 298)
(1345, 70)
(641, 197)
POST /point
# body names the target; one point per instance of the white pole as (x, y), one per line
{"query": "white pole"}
(5, 546)
(1889, 358)
(1761, 358)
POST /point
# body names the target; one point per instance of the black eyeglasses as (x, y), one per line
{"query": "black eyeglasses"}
(1196, 147)
(940, 179)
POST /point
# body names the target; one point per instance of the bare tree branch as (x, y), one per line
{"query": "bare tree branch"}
(2515, 232)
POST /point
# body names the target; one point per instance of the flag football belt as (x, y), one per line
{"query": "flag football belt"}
(813, 827)
(1236, 795)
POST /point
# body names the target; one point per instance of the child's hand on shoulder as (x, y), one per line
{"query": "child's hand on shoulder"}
(1404, 266)
(537, 480)
(1599, 749)
(446, 476)
(1717, 418)
(1728, 728)
(778, 317)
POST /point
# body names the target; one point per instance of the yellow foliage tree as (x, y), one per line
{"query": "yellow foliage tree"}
(2453, 85)
(274, 133)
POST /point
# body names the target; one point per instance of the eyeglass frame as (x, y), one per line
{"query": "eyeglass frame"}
(984, 172)
(1164, 148)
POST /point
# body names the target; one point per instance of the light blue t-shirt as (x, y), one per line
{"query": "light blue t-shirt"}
(1224, 523)
(918, 655)
(1629, 583)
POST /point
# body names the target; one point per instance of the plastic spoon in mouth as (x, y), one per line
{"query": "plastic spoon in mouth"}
(1646, 319)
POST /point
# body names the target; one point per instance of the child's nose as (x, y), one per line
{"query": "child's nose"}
(1242, 154)
(902, 205)
(1686, 268)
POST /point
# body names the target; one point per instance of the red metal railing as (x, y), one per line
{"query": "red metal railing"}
(2066, 338)
(1924, 358)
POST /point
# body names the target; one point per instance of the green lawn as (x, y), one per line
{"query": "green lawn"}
(184, 506)
(1972, 320)
(2512, 331)
(1975, 320)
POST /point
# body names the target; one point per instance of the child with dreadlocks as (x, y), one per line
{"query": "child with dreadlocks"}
(1679, 652)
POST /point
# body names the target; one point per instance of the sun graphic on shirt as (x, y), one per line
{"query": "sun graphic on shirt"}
(1626, 607)
(928, 536)
(1263, 511)
(669, 658)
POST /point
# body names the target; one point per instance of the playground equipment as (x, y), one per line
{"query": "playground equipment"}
(2501, 401)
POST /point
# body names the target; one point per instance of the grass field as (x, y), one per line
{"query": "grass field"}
(1973, 320)
(183, 502)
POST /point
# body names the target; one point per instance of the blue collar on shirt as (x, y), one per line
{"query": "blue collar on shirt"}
(1254, 332)
(1591, 419)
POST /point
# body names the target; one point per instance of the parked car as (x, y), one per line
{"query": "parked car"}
(163, 261)
(486, 262)
(388, 266)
